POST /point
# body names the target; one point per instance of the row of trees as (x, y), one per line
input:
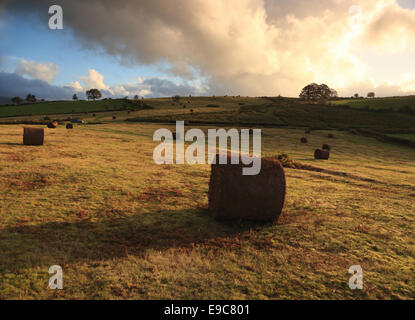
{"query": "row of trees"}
(29, 98)
(321, 92)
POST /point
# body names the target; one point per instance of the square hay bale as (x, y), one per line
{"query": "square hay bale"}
(233, 196)
(33, 136)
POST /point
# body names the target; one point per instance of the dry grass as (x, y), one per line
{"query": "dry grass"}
(93, 201)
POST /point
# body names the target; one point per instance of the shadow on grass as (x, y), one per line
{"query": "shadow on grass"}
(24, 246)
(11, 144)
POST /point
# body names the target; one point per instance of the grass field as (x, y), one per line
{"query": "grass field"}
(271, 112)
(92, 201)
(392, 103)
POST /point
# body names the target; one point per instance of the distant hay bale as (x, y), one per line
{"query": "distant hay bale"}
(114, 117)
(191, 110)
(304, 140)
(52, 125)
(321, 154)
(233, 196)
(33, 136)
(330, 136)
(326, 147)
(69, 126)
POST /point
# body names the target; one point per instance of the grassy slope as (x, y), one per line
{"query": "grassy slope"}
(394, 103)
(93, 201)
(228, 110)
(60, 107)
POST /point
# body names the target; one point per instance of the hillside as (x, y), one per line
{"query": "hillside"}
(278, 112)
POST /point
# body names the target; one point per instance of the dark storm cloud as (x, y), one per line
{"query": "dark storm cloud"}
(12, 85)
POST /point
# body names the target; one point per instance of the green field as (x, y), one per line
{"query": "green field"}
(93, 201)
(274, 112)
(406, 104)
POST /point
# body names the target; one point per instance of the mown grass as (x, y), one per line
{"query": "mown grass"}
(93, 201)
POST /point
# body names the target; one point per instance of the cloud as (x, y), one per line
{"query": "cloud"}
(250, 47)
(75, 86)
(12, 85)
(42, 71)
(94, 80)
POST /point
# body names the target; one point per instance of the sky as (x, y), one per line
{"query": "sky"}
(236, 47)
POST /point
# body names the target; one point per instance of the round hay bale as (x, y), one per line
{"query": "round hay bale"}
(69, 126)
(114, 118)
(233, 196)
(33, 136)
(304, 140)
(326, 147)
(191, 110)
(330, 136)
(321, 154)
(52, 125)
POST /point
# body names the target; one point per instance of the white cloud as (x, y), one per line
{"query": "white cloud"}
(94, 80)
(42, 71)
(75, 85)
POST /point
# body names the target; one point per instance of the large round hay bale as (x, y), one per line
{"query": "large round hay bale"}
(233, 196)
(304, 140)
(52, 125)
(321, 154)
(33, 136)
(326, 147)
(69, 126)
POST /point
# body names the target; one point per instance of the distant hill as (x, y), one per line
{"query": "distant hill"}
(4, 100)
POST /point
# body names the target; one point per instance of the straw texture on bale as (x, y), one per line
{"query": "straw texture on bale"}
(53, 125)
(33, 136)
(69, 126)
(233, 196)
(326, 147)
(304, 140)
(322, 154)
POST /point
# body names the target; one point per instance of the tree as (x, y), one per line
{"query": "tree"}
(31, 98)
(371, 95)
(17, 100)
(93, 94)
(317, 92)
(75, 97)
